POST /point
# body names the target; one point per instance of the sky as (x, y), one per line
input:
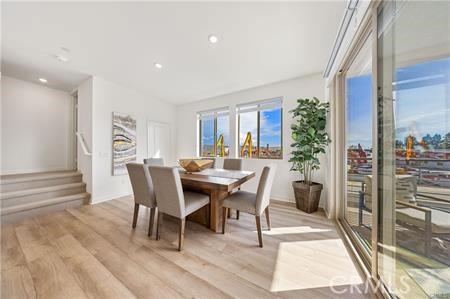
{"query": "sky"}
(271, 128)
(222, 128)
(207, 131)
(270, 124)
(422, 102)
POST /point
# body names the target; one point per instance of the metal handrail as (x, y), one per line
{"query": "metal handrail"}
(83, 143)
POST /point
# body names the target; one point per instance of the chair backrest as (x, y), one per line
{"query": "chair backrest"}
(232, 164)
(210, 158)
(406, 188)
(154, 161)
(265, 187)
(142, 184)
(168, 190)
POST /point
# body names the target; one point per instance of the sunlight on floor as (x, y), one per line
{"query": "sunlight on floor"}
(313, 264)
(294, 230)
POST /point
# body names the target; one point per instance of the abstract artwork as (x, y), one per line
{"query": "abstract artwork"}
(124, 142)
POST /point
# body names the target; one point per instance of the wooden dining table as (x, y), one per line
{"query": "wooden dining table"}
(218, 184)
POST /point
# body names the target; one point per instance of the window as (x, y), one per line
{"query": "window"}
(260, 129)
(214, 133)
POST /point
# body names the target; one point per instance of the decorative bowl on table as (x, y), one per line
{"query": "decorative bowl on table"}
(195, 164)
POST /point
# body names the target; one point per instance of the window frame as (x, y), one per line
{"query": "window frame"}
(276, 102)
(366, 34)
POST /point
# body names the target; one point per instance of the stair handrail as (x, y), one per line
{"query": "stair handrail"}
(83, 143)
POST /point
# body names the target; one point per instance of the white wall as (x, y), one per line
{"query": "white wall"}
(290, 90)
(37, 128)
(108, 98)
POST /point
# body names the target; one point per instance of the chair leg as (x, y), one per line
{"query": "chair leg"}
(258, 227)
(224, 218)
(152, 220)
(159, 225)
(237, 214)
(229, 214)
(135, 215)
(267, 217)
(181, 236)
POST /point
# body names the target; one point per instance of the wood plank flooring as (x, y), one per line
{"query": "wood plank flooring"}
(92, 252)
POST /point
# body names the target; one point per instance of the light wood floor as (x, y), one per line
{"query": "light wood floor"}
(91, 251)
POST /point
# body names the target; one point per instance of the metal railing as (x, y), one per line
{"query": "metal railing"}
(83, 145)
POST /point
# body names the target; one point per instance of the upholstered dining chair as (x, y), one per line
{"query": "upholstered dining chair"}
(144, 194)
(172, 200)
(210, 158)
(154, 161)
(233, 164)
(252, 203)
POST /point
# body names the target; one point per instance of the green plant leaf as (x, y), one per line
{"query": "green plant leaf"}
(309, 134)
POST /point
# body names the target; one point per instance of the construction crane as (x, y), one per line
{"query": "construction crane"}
(221, 142)
(410, 148)
(248, 142)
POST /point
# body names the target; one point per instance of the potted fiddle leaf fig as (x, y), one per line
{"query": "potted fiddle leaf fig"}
(310, 140)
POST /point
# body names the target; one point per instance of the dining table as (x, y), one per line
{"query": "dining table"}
(218, 184)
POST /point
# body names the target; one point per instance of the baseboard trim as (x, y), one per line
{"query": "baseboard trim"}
(283, 202)
(326, 213)
(292, 201)
(284, 199)
(108, 198)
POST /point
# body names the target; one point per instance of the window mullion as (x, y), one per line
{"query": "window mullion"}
(200, 139)
(258, 133)
(239, 136)
(215, 135)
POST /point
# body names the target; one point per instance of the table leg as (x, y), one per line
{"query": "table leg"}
(214, 210)
(215, 218)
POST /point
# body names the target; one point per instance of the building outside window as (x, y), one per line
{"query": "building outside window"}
(260, 129)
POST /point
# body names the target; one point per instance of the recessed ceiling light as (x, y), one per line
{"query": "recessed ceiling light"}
(158, 65)
(43, 80)
(62, 58)
(213, 39)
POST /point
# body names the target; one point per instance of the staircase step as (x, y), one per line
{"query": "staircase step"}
(28, 196)
(28, 210)
(38, 180)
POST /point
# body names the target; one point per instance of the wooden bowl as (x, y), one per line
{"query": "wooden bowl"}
(195, 165)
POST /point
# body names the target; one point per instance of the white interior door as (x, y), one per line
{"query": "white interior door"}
(158, 140)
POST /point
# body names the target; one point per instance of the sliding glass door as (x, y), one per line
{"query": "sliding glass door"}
(414, 148)
(395, 84)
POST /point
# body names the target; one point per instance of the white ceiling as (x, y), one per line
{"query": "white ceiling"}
(259, 43)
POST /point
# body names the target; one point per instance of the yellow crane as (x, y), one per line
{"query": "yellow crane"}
(248, 142)
(409, 148)
(221, 142)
